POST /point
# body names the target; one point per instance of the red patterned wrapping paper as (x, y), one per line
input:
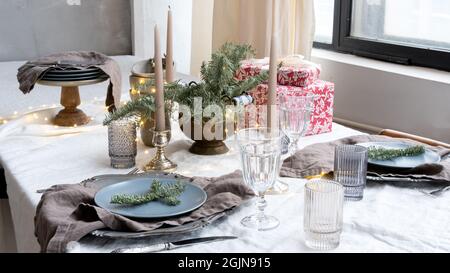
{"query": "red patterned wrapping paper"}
(322, 116)
(301, 74)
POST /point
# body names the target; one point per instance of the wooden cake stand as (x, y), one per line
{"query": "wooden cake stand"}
(70, 99)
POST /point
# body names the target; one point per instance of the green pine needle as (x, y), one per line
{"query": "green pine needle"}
(167, 194)
(218, 86)
(142, 107)
(388, 154)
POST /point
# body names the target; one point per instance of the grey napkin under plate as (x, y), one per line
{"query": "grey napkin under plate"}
(67, 212)
(29, 73)
(318, 159)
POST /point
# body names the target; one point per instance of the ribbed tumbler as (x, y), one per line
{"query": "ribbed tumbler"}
(322, 220)
(350, 169)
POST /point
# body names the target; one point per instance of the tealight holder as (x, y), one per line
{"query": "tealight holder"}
(160, 162)
(122, 143)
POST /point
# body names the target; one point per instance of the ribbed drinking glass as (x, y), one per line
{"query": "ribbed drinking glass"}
(323, 214)
(350, 169)
(122, 143)
(260, 155)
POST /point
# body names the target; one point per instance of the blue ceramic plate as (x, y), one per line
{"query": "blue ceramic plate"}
(192, 198)
(81, 74)
(405, 162)
(65, 79)
(73, 70)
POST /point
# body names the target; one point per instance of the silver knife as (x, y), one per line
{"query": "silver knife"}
(396, 179)
(173, 245)
(190, 227)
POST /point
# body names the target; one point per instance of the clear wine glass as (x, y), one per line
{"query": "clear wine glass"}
(260, 156)
(294, 119)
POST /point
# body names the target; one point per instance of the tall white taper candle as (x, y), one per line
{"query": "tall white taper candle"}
(159, 83)
(272, 117)
(170, 71)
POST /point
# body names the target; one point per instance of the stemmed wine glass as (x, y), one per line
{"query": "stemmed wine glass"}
(294, 118)
(260, 156)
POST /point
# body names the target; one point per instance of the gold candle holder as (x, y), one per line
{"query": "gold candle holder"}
(160, 162)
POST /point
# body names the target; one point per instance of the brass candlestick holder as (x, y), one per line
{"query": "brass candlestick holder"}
(160, 162)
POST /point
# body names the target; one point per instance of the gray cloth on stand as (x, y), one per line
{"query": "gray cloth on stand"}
(31, 72)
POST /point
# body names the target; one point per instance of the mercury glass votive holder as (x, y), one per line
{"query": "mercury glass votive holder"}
(122, 143)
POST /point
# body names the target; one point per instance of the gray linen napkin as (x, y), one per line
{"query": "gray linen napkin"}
(319, 159)
(67, 212)
(29, 73)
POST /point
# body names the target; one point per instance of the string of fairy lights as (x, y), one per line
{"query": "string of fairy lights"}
(16, 114)
(32, 112)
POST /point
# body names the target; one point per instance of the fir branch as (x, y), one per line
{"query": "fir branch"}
(143, 107)
(167, 194)
(248, 84)
(218, 85)
(388, 154)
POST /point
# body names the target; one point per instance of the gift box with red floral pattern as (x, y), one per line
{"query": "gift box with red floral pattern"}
(292, 72)
(321, 117)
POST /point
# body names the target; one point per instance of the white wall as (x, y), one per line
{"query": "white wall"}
(202, 38)
(389, 95)
(149, 12)
(31, 29)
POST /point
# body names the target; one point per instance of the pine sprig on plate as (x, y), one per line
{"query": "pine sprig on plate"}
(375, 153)
(167, 194)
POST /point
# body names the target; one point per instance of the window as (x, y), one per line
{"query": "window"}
(412, 32)
(324, 20)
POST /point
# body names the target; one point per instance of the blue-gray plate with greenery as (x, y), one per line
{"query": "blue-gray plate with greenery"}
(402, 162)
(190, 199)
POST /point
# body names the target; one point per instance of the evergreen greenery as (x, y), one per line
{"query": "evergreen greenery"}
(143, 107)
(218, 86)
(167, 194)
(388, 154)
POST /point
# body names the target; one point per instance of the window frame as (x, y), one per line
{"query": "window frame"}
(396, 53)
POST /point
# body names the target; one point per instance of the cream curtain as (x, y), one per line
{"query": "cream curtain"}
(250, 21)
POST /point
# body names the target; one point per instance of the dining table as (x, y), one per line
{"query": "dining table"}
(36, 154)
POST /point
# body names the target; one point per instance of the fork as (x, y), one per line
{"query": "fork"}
(437, 193)
(133, 171)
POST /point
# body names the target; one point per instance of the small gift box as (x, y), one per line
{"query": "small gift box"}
(321, 117)
(294, 71)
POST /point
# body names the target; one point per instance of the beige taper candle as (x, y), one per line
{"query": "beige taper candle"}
(272, 117)
(159, 84)
(170, 71)
(272, 88)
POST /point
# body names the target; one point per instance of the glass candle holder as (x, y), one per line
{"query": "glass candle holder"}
(323, 215)
(122, 143)
(350, 169)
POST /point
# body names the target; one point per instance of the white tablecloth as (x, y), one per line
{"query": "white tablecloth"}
(13, 103)
(36, 155)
